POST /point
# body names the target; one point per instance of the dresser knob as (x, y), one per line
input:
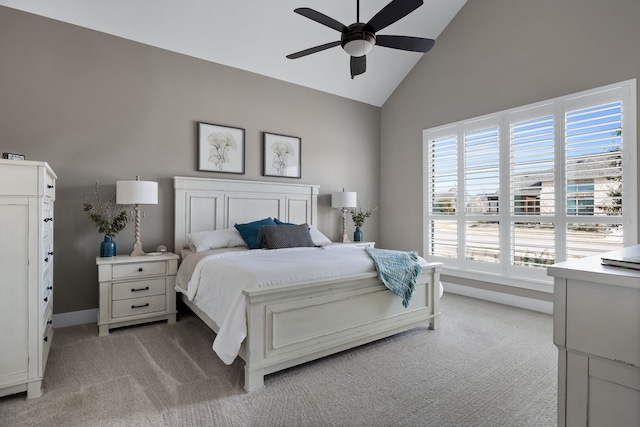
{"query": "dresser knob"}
(50, 322)
(140, 269)
(46, 339)
(46, 299)
(49, 287)
(46, 259)
(50, 253)
(49, 186)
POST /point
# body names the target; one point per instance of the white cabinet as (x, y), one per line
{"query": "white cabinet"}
(597, 332)
(27, 194)
(136, 290)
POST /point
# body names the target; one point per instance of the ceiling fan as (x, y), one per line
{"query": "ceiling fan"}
(358, 39)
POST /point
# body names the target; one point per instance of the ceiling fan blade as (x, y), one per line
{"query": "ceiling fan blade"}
(358, 65)
(320, 18)
(392, 12)
(313, 50)
(413, 44)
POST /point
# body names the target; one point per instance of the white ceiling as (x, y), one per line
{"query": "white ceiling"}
(256, 35)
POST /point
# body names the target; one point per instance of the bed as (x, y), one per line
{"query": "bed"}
(292, 323)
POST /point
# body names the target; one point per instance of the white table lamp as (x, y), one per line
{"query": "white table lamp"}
(137, 193)
(344, 200)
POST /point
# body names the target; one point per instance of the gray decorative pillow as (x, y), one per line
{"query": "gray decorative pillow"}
(285, 236)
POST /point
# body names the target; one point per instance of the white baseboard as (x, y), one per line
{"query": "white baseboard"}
(499, 297)
(73, 318)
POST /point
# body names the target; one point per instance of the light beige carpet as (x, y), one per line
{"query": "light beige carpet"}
(489, 365)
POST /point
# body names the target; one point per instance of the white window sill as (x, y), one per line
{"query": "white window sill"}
(545, 285)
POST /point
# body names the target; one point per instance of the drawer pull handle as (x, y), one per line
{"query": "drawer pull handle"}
(46, 259)
(46, 339)
(49, 186)
(50, 322)
(146, 288)
(46, 299)
(140, 306)
(48, 219)
(140, 269)
(49, 287)
(50, 253)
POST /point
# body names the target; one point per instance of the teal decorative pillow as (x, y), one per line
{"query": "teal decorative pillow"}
(277, 221)
(285, 236)
(249, 231)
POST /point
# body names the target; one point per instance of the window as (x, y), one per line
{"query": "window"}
(509, 193)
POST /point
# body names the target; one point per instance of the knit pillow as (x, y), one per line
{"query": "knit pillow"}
(318, 238)
(285, 236)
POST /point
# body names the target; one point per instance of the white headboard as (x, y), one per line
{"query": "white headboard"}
(203, 204)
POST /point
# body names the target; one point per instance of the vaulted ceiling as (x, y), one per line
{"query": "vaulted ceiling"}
(256, 35)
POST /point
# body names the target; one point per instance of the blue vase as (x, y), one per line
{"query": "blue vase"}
(357, 235)
(107, 247)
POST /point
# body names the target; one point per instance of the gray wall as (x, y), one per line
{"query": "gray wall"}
(495, 55)
(99, 107)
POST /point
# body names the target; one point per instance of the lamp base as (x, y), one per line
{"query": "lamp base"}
(137, 250)
(345, 238)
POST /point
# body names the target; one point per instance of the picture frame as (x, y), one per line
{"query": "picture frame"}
(220, 148)
(282, 155)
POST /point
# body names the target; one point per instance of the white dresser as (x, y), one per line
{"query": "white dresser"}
(136, 290)
(27, 194)
(597, 332)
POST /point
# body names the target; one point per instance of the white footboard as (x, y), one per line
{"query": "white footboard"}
(287, 325)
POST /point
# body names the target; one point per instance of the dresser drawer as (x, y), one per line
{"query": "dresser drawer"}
(135, 306)
(603, 320)
(47, 218)
(47, 301)
(49, 186)
(138, 289)
(46, 346)
(47, 318)
(141, 269)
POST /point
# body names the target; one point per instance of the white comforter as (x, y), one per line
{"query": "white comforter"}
(214, 281)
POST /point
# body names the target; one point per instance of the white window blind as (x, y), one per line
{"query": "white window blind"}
(443, 188)
(515, 191)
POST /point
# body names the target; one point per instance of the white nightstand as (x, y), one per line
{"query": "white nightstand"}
(136, 290)
(358, 244)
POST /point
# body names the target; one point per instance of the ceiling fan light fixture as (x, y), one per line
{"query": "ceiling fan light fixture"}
(358, 47)
(358, 43)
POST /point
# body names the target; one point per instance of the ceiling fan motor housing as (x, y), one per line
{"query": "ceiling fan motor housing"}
(357, 40)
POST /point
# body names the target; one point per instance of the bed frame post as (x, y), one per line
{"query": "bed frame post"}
(254, 344)
(434, 297)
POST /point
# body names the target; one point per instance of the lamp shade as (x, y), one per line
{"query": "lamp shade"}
(344, 199)
(136, 193)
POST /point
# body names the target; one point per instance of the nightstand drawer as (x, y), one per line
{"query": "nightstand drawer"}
(139, 289)
(135, 306)
(139, 269)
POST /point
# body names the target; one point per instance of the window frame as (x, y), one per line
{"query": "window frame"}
(504, 272)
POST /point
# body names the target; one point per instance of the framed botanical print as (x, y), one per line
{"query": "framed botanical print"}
(281, 155)
(220, 148)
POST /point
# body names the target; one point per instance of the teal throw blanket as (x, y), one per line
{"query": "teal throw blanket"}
(397, 270)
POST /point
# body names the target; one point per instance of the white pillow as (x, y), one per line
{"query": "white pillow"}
(215, 239)
(318, 238)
